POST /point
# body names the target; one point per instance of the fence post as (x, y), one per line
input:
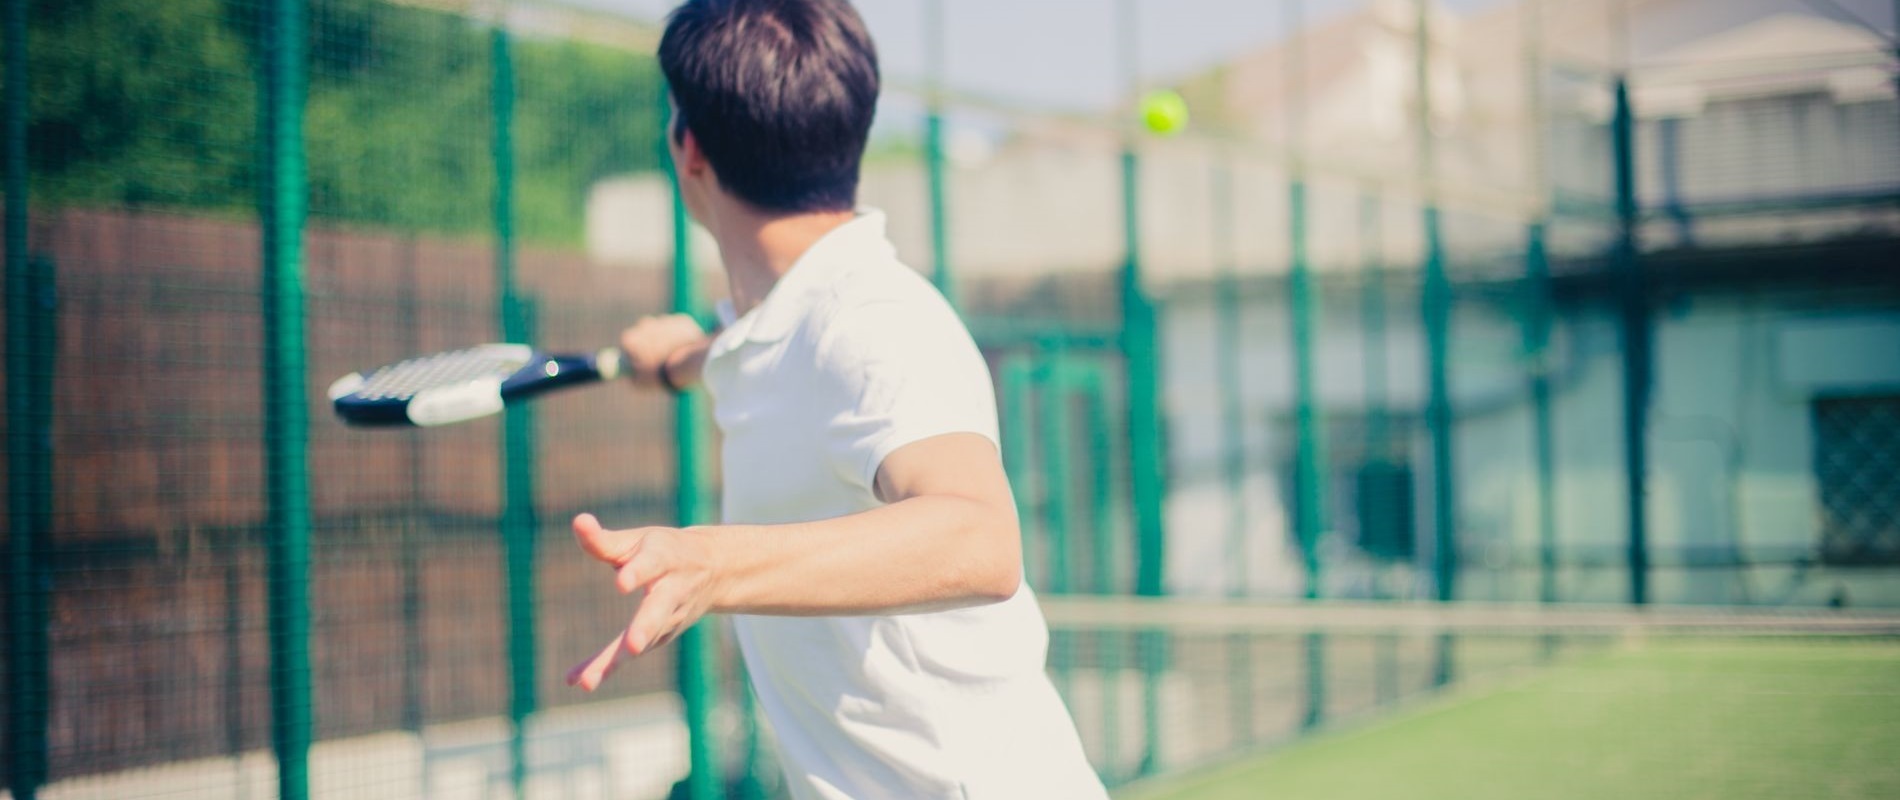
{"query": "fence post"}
(1633, 308)
(1139, 337)
(1436, 314)
(30, 359)
(1309, 477)
(281, 207)
(1537, 324)
(1310, 460)
(934, 155)
(1139, 343)
(518, 518)
(1537, 329)
(1145, 457)
(698, 657)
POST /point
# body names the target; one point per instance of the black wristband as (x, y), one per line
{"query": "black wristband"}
(666, 377)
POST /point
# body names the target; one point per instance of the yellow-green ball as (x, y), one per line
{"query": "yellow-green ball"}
(1164, 112)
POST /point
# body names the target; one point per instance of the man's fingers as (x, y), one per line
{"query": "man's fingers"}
(640, 569)
(611, 546)
(665, 640)
(652, 622)
(588, 674)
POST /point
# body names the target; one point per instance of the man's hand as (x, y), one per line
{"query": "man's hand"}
(665, 340)
(676, 574)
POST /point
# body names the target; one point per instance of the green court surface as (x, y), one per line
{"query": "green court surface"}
(1806, 718)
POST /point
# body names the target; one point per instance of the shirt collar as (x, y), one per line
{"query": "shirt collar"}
(833, 255)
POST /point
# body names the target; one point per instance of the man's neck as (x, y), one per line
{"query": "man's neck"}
(758, 249)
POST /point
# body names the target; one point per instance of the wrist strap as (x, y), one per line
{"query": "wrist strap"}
(665, 374)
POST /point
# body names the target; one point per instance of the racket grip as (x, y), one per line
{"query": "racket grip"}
(610, 363)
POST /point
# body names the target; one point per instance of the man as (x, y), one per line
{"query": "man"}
(870, 554)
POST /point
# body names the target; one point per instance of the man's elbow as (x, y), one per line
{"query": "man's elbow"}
(1001, 575)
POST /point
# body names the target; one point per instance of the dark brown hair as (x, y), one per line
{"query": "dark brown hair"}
(778, 93)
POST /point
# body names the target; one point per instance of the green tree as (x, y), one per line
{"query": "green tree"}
(140, 103)
(153, 104)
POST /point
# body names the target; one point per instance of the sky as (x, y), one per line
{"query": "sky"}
(1061, 55)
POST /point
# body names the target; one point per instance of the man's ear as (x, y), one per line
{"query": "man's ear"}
(692, 160)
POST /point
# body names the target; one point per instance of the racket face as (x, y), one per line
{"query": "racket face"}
(438, 389)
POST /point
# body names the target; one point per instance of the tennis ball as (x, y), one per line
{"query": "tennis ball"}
(1164, 112)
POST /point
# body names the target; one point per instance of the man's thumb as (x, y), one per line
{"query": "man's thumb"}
(613, 547)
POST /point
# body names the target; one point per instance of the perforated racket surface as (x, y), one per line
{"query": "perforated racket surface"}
(460, 385)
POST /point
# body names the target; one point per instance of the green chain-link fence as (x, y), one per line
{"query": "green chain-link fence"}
(1590, 333)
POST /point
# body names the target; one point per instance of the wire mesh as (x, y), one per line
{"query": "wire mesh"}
(1657, 367)
(143, 146)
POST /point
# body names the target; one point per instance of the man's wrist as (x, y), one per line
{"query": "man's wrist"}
(717, 560)
(665, 376)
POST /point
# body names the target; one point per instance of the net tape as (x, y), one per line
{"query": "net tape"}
(1210, 617)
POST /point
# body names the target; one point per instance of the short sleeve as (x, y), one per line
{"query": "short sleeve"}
(905, 371)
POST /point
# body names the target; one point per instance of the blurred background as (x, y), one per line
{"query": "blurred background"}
(1477, 398)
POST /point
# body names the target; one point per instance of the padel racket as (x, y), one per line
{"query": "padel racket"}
(460, 385)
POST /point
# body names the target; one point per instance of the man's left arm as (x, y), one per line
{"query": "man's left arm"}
(947, 537)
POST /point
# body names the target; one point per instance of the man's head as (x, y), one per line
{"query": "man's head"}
(776, 95)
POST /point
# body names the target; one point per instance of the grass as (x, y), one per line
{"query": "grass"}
(1688, 719)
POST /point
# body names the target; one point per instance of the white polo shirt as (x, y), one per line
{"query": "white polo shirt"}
(851, 356)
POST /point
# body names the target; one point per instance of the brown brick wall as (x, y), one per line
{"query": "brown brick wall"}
(159, 608)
